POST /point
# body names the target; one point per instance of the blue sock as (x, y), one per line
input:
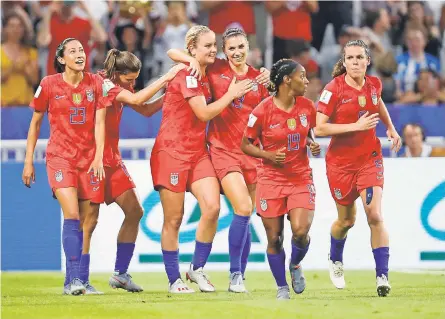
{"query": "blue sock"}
(337, 246)
(246, 250)
(67, 264)
(71, 246)
(123, 257)
(298, 253)
(202, 252)
(84, 268)
(381, 257)
(237, 238)
(171, 263)
(276, 264)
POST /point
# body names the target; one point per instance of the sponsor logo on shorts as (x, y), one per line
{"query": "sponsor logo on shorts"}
(90, 95)
(263, 204)
(95, 189)
(174, 179)
(337, 193)
(58, 175)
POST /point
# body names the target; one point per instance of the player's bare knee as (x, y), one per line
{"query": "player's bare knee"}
(244, 209)
(347, 224)
(134, 213)
(89, 225)
(300, 233)
(211, 212)
(374, 218)
(173, 223)
(275, 244)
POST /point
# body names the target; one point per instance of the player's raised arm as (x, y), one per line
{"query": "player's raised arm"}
(207, 112)
(391, 131)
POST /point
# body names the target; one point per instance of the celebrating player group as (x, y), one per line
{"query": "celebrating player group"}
(255, 152)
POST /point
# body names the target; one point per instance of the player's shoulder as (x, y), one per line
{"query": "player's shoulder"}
(374, 80)
(50, 80)
(252, 72)
(304, 102)
(264, 105)
(219, 64)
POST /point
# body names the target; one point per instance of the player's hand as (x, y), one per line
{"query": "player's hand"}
(195, 69)
(264, 77)
(315, 148)
(367, 122)
(97, 168)
(170, 75)
(237, 90)
(279, 156)
(395, 138)
(29, 175)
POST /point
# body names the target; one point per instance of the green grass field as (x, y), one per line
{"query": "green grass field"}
(38, 295)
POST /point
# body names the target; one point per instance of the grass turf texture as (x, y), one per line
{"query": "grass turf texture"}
(39, 295)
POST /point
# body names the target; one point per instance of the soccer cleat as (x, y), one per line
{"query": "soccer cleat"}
(236, 283)
(199, 277)
(383, 286)
(123, 281)
(298, 280)
(76, 287)
(283, 293)
(336, 273)
(179, 287)
(90, 290)
(67, 289)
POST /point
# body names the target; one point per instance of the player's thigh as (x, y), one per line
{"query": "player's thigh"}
(207, 192)
(130, 204)
(68, 201)
(89, 214)
(346, 214)
(172, 206)
(236, 191)
(252, 193)
(372, 202)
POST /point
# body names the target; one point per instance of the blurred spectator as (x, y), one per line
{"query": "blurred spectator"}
(442, 20)
(170, 34)
(19, 67)
(385, 66)
(225, 14)
(414, 141)
(300, 51)
(410, 63)
(314, 88)
(427, 90)
(376, 29)
(291, 20)
(338, 13)
(59, 22)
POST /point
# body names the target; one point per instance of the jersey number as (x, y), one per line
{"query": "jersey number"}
(77, 115)
(293, 142)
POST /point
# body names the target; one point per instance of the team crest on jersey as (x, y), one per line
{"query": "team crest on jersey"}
(337, 193)
(77, 98)
(174, 179)
(58, 175)
(254, 87)
(303, 120)
(292, 124)
(263, 204)
(374, 98)
(90, 95)
(362, 100)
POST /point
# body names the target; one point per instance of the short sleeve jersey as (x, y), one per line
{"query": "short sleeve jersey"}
(71, 113)
(344, 104)
(278, 129)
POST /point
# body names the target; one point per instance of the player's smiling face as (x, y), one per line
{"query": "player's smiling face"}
(236, 49)
(128, 80)
(74, 56)
(298, 81)
(356, 61)
(205, 50)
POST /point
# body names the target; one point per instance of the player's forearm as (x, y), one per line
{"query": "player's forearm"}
(215, 108)
(329, 129)
(150, 108)
(148, 92)
(249, 149)
(179, 56)
(384, 116)
(99, 134)
(33, 135)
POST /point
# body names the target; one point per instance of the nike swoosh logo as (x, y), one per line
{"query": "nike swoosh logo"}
(58, 97)
(274, 125)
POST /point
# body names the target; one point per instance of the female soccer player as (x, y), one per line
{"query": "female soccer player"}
(76, 109)
(349, 109)
(235, 170)
(282, 123)
(180, 160)
(120, 73)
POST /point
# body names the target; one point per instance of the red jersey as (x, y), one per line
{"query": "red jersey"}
(277, 129)
(344, 105)
(226, 130)
(71, 114)
(60, 30)
(182, 134)
(112, 155)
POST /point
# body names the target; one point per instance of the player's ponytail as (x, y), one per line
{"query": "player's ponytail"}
(339, 67)
(279, 70)
(122, 62)
(59, 67)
